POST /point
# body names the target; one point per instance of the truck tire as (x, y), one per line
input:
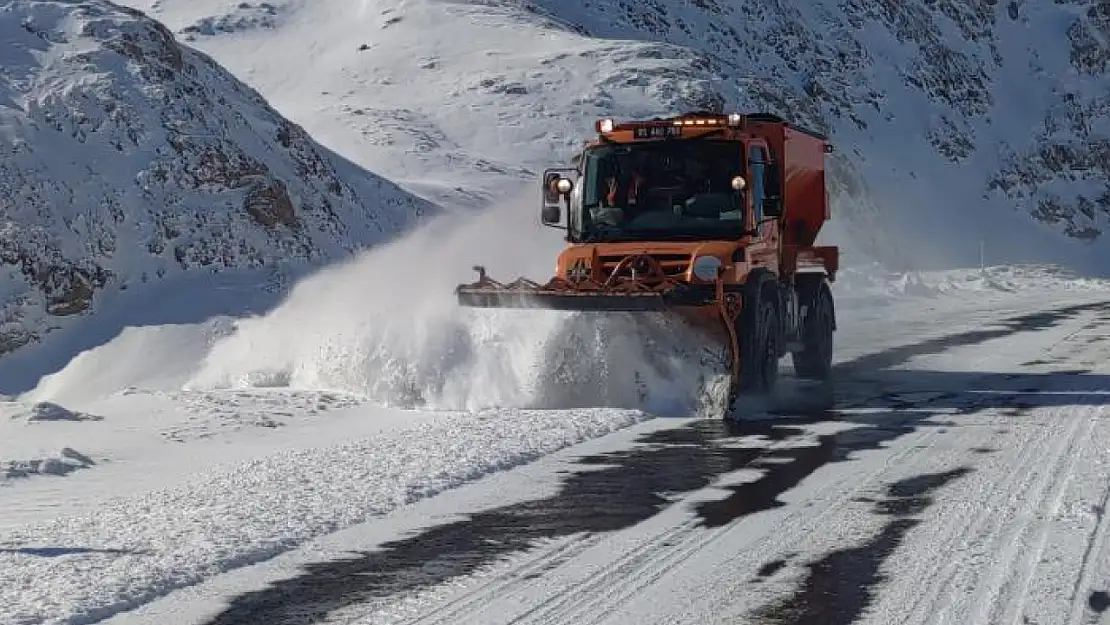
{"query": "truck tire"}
(757, 329)
(814, 361)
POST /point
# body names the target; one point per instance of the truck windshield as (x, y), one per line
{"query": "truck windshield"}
(662, 190)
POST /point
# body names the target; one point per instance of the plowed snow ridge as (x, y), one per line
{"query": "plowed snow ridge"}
(387, 325)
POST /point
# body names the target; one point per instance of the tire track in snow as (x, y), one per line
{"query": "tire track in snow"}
(1082, 593)
(592, 598)
(856, 568)
(1023, 526)
(923, 600)
(830, 506)
(993, 526)
(921, 569)
(1064, 527)
(1027, 546)
(842, 583)
(1025, 322)
(545, 560)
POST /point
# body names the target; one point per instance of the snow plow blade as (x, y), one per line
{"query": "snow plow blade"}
(555, 300)
(624, 296)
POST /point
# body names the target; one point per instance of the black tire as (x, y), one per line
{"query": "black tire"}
(814, 361)
(757, 329)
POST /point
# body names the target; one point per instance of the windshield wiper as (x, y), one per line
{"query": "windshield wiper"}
(615, 235)
(600, 232)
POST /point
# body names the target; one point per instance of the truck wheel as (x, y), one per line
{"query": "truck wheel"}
(759, 349)
(814, 361)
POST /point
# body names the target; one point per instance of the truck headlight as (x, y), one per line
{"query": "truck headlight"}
(705, 267)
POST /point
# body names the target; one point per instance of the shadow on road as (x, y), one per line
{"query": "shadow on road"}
(838, 587)
(1004, 327)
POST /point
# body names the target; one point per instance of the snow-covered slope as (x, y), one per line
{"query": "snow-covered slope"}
(958, 123)
(127, 159)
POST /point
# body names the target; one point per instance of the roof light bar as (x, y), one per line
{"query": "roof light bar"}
(697, 122)
(733, 120)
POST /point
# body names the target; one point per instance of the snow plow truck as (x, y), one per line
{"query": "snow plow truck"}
(710, 216)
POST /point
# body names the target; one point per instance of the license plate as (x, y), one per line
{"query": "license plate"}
(657, 132)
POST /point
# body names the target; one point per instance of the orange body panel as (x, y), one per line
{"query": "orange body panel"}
(804, 187)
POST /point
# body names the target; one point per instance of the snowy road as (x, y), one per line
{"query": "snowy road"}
(955, 472)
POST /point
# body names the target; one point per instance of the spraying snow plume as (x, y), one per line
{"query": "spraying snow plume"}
(387, 325)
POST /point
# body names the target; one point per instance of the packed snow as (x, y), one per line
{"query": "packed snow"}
(143, 546)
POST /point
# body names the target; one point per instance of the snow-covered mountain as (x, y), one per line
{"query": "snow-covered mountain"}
(959, 123)
(998, 106)
(127, 158)
(961, 127)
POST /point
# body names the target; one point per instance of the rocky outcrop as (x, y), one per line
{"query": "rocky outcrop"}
(126, 157)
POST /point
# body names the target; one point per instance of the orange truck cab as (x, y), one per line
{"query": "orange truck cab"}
(751, 188)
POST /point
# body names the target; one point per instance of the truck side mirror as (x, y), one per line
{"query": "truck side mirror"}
(772, 207)
(551, 215)
(557, 189)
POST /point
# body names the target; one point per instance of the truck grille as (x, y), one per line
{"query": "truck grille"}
(672, 264)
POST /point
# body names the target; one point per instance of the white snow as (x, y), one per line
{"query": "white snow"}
(439, 356)
(137, 548)
(197, 426)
